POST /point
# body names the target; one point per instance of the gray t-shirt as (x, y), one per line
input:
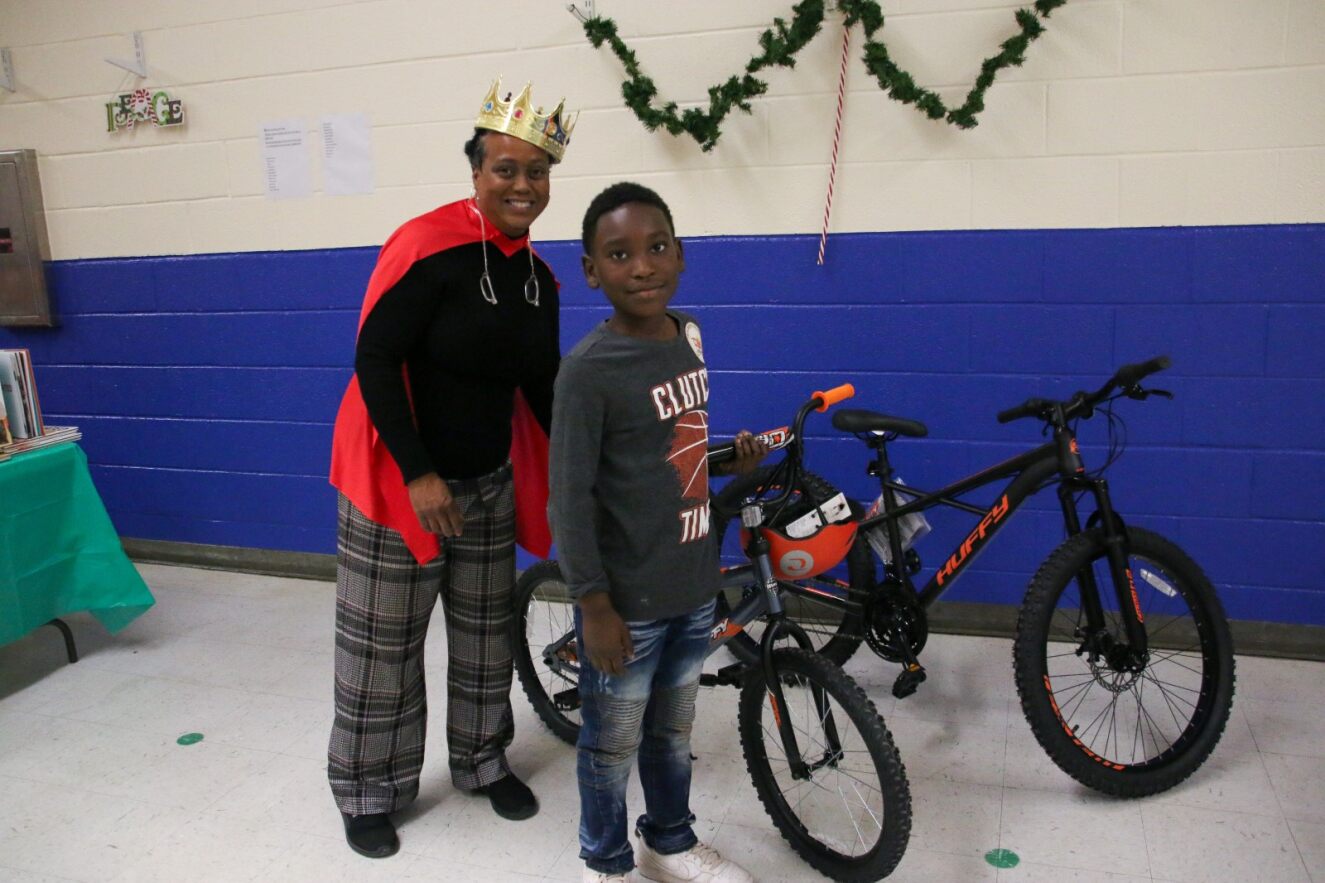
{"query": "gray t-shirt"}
(629, 474)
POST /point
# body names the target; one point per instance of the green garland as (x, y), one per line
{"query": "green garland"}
(780, 45)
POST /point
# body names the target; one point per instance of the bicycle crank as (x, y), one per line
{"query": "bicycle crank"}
(896, 632)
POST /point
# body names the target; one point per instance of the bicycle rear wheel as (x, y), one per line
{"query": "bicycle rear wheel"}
(1125, 733)
(834, 630)
(851, 818)
(543, 645)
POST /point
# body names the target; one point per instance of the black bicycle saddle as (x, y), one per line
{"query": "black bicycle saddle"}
(859, 420)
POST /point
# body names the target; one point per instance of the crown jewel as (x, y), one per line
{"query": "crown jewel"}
(520, 119)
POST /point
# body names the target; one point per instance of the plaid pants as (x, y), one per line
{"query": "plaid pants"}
(384, 599)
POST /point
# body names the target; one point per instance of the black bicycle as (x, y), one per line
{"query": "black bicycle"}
(1122, 654)
(823, 763)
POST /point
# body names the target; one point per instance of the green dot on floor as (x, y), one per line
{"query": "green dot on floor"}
(189, 738)
(1002, 858)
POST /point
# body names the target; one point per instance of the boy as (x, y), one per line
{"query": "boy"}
(629, 512)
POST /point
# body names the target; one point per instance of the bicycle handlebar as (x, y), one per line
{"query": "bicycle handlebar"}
(1125, 378)
(775, 439)
(788, 437)
(1130, 375)
(1027, 408)
(833, 396)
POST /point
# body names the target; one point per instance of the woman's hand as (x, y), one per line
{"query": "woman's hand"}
(436, 508)
(749, 451)
(607, 643)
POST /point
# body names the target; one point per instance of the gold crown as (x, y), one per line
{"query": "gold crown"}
(522, 120)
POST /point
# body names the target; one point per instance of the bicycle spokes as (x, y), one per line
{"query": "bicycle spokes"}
(550, 625)
(1125, 709)
(836, 794)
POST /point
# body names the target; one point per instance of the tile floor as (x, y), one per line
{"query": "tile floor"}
(93, 785)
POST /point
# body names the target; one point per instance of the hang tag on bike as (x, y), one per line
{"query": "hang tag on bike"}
(834, 510)
(913, 527)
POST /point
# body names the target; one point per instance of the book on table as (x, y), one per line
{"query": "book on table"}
(5, 437)
(21, 425)
(18, 388)
(53, 435)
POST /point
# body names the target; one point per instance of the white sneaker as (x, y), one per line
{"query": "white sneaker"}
(592, 876)
(699, 864)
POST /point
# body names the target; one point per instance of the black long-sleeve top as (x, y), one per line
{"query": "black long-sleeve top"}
(464, 358)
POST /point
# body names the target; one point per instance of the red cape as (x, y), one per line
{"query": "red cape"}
(361, 467)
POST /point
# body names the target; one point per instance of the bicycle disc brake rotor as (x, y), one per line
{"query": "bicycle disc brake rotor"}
(1110, 667)
(892, 626)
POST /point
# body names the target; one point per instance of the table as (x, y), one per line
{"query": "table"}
(59, 552)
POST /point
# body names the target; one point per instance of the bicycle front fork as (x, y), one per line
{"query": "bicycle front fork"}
(778, 624)
(1120, 572)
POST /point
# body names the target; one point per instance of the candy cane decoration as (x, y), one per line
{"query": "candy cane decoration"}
(837, 138)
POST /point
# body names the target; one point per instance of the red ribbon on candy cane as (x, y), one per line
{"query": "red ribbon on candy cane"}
(837, 138)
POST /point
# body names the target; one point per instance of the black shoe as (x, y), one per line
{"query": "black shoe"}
(511, 798)
(371, 835)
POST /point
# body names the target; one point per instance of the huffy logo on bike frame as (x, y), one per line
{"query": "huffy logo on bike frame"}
(976, 537)
(142, 106)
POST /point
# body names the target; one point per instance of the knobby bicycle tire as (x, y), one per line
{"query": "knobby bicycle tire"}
(817, 816)
(544, 616)
(1127, 734)
(835, 632)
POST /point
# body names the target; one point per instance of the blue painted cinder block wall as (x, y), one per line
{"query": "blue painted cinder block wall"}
(206, 385)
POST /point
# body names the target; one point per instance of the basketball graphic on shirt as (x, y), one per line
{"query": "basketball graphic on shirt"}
(693, 338)
(689, 454)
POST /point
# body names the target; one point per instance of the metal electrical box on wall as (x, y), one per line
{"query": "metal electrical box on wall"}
(24, 248)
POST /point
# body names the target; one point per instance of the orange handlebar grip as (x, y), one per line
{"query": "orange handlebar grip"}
(834, 395)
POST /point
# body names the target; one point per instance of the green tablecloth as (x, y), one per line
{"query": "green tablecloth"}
(59, 553)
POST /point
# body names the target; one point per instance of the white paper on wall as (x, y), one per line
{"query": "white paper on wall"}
(347, 154)
(285, 166)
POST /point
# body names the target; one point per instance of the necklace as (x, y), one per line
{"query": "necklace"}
(531, 291)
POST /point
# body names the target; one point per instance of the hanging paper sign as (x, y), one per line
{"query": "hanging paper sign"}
(142, 106)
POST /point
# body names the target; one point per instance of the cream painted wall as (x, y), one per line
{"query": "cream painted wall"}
(1128, 113)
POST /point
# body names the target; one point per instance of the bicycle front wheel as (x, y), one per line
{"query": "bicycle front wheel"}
(835, 630)
(851, 817)
(543, 645)
(1118, 730)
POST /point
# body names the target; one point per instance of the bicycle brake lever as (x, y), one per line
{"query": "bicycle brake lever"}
(1162, 393)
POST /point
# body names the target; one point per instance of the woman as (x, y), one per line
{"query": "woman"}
(457, 340)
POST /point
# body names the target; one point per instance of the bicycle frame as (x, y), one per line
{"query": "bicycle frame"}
(1029, 473)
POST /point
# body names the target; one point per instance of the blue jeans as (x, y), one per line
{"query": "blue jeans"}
(650, 709)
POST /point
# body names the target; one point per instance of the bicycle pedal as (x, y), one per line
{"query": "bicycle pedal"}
(911, 677)
(567, 700)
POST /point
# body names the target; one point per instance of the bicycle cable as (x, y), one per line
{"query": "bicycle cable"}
(1117, 434)
(1117, 442)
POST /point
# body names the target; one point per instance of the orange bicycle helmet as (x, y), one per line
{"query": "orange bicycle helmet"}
(807, 555)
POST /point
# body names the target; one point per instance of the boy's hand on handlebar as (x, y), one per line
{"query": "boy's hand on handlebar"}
(749, 452)
(433, 504)
(607, 643)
